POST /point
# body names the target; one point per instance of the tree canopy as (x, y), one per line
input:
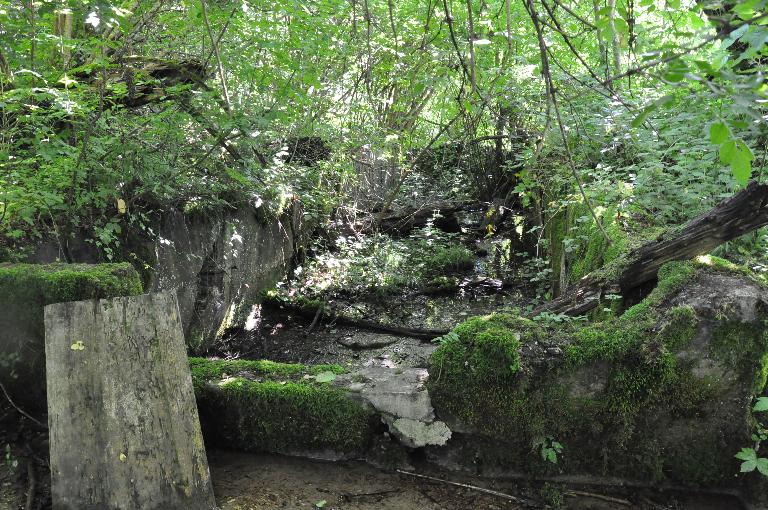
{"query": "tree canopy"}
(111, 111)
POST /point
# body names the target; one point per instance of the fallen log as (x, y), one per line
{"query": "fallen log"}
(740, 214)
(311, 312)
(441, 214)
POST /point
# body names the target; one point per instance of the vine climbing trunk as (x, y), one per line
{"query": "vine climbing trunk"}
(740, 214)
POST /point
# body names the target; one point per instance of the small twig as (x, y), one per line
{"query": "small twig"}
(318, 314)
(351, 495)
(20, 410)
(31, 488)
(467, 486)
(601, 497)
(218, 57)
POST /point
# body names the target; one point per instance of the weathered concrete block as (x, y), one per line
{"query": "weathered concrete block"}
(124, 427)
(277, 407)
(658, 395)
(24, 290)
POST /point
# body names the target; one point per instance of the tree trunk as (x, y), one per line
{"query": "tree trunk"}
(740, 214)
(124, 429)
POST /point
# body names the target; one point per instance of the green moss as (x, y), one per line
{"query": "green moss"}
(558, 227)
(25, 289)
(679, 328)
(276, 408)
(743, 348)
(57, 283)
(475, 369)
(597, 251)
(204, 370)
(712, 263)
(485, 348)
(635, 355)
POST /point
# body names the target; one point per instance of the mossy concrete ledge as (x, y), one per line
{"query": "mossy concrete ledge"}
(660, 395)
(294, 409)
(25, 289)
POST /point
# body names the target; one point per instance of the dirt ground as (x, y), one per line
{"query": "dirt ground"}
(269, 482)
(265, 482)
(245, 481)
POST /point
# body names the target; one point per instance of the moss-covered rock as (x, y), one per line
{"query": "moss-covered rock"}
(659, 393)
(277, 407)
(24, 290)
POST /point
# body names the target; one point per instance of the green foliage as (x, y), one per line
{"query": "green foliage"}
(381, 266)
(548, 448)
(750, 456)
(552, 494)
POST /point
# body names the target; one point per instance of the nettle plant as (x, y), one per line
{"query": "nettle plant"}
(750, 456)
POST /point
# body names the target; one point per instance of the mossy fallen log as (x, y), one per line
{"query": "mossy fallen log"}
(25, 289)
(628, 274)
(660, 394)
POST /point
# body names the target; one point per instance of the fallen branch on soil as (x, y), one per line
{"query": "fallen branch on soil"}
(311, 312)
(20, 410)
(31, 488)
(315, 321)
(601, 497)
(740, 214)
(352, 495)
(472, 487)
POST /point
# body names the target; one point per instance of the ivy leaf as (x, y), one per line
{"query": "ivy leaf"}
(761, 405)
(762, 466)
(719, 133)
(749, 456)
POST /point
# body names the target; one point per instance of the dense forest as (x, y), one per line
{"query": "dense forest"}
(541, 220)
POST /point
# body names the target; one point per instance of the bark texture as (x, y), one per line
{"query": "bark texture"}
(124, 428)
(740, 214)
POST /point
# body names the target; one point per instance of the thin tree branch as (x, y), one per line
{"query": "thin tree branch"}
(221, 34)
(545, 71)
(20, 410)
(569, 11)
(218, 57)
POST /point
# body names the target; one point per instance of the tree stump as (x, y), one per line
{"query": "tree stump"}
(124, 428)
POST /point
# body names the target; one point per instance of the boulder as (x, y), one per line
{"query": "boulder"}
(400, 398)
